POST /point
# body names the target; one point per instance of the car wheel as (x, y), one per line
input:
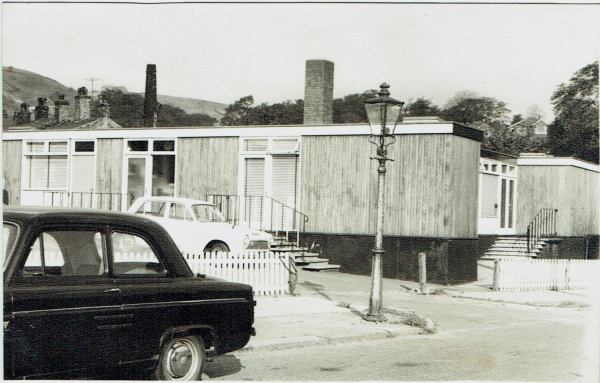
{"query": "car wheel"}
(181, 359)
(217, 247)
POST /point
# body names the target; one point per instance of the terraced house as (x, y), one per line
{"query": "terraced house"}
(444, 195)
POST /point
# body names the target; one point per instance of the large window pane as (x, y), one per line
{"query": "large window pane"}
(163, 175)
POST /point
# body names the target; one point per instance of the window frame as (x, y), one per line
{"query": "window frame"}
(46, 152)
(120, 230)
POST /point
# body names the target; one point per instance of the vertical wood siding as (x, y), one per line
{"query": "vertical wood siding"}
(207, 166)
(12, 157)
(571, 190)
(431, 187)
(109, 165)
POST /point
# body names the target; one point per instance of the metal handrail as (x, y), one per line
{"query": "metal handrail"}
(225, 202)
(542, 225)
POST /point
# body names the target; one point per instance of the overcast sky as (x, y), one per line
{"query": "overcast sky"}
(518, 54)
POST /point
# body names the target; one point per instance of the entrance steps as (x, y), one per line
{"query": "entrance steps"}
(514, 246)
(302, 256)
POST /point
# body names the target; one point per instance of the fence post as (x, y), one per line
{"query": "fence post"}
(496, 285)
(423, 273)
(567, 274)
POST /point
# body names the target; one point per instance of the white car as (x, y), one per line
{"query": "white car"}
(198, 226)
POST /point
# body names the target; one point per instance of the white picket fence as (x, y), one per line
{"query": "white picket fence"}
(546, 274)
(268, 273)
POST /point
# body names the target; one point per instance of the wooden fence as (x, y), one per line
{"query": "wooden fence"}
(546, 274)
(268, 273)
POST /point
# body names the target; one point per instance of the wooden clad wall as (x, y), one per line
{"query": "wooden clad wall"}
(109, 165)
(431, 187)
(571, 190)
(207, 165)
(12, 158)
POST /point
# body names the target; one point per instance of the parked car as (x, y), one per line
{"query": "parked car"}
(76, 303)
(198, 226)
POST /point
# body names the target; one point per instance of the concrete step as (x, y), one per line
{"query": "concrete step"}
(289, 249)
(508, 248)
(322, 268)
(309, 261)
(506, 254)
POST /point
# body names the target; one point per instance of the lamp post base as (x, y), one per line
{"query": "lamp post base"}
(375, 318)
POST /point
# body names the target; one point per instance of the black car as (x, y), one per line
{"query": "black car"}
(86, 291)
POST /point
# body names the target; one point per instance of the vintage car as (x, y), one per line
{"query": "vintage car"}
(77, 304)
(199, 227)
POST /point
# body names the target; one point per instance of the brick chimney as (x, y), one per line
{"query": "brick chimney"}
(60, 108)
(41, 110)
(150, 98)
(23, 116)
(104, 107)
(318, 92)
(83, 104)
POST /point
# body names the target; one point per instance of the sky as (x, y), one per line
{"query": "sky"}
(515, 53)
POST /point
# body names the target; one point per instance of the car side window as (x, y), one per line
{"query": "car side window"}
(134, 256)
(154, 208)
(68, 253)
(179, 211)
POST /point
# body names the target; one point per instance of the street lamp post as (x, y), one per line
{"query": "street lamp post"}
(381, 111)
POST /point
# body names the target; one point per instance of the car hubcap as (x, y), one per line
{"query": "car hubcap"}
(182, 359)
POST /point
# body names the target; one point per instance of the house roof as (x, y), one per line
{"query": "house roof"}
(51, 124)
(529, 121)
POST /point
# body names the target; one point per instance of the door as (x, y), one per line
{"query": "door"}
(284, 190)
(254, 191)
(150, 175)
(507, 206)
(67, 312)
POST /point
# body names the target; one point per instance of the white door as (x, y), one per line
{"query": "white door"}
(507, 206)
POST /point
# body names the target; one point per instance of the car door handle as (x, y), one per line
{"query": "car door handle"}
(115, 290)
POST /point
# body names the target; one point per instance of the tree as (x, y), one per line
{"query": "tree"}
(242, 112)
(503, 141)
(574, 131)
(516, 118)
(422, 107)
(482, 109)
(126, 109)
(351, 109)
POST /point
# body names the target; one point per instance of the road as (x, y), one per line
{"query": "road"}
(475, 341)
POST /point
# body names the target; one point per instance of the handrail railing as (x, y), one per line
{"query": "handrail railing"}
(542, 225)
(262, 213)
(105, 201)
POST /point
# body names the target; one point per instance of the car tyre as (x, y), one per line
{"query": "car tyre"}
(217, 247)
(181, 358)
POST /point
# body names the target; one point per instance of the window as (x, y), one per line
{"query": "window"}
(66, 253)
(9, 236)
(179, 211)
(83, 166)
(46, 165)
(134, 256)
(155, 208)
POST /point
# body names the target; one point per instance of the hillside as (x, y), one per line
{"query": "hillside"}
(20, 86)
(192, 106)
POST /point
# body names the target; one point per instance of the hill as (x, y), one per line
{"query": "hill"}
(20, 86)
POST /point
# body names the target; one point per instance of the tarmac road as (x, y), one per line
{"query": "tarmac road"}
(475, 341)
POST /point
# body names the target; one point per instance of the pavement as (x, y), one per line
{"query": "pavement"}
(328, 308)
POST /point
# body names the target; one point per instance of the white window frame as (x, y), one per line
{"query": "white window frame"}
(25, 174)
(77, 154)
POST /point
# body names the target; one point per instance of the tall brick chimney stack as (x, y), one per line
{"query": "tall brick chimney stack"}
(151, 98)
(83, 104)
(60, 110)
(318, 92)
(41, 110)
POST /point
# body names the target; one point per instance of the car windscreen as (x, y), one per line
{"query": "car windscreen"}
(9, 236)
(207, 213)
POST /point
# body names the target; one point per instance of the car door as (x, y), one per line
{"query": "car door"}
(66, 312)
(144, 283)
